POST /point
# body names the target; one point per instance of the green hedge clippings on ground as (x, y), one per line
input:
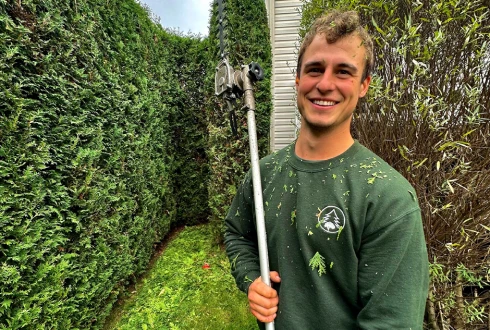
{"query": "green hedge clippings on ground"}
(91, 99)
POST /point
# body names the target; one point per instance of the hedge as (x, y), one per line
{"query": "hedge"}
(95, 102)
(190, 174)
(110, 136)
(428, 114)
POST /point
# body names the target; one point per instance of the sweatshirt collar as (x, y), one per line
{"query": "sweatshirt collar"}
(321, 165)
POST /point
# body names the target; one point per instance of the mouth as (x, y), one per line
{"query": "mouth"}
(324, 103)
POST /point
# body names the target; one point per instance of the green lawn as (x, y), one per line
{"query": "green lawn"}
(178, 293)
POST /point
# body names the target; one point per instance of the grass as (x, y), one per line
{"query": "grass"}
(178, 293)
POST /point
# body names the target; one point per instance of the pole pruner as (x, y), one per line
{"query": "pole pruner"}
(231, 85)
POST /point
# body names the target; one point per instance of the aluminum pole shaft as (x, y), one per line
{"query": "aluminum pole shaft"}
(257, 185)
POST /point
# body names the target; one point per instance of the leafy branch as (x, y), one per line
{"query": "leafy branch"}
(318, 261)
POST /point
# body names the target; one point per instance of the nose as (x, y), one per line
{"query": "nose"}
(326, 82)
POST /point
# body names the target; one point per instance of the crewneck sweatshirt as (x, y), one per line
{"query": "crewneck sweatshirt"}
(345, 235)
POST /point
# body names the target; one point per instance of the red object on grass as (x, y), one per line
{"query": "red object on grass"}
(206, 266)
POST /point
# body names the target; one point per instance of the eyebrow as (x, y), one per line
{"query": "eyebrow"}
(352, 67)
(314, 64)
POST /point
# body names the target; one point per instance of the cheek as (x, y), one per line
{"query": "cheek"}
(347, 86)
(352, 87)
(306, 85)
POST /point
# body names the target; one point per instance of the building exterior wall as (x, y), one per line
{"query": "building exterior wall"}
(284, 19)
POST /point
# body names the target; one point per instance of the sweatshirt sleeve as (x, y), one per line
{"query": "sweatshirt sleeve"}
(393, 275)
(241, 238)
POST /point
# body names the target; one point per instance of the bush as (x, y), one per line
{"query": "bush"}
(190, 173)
(94, 99)
(103, 147)
(428, 114)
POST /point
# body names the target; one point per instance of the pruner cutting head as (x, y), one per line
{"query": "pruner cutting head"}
(231, 84)
(223, 80)
(224, 86)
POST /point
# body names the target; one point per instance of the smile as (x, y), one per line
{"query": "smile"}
(324, 103)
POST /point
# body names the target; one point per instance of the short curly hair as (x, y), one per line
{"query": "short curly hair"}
(334, 26)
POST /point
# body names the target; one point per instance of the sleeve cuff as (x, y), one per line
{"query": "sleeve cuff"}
(248, 279)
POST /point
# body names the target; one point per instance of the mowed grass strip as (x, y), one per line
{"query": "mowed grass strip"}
(180, 292)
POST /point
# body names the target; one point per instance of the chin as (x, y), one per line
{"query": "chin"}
(325, 124)
(320, 120)
(317, 124)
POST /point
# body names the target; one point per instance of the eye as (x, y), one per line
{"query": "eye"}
(344, 72)
(314, 71)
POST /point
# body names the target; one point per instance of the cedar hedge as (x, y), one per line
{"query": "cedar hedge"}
(101, 148)
(188, 126)
(108, 127)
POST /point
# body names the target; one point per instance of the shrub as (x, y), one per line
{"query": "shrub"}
(103, 147)
(190, 173)
(93, 99)
(428, 114)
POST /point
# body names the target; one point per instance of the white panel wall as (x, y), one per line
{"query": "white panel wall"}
(284, 19)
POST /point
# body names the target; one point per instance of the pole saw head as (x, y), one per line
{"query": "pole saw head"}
(231, 84)
(228, 81)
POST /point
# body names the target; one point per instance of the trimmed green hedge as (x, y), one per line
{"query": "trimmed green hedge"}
(189, 124)
(95, 104)
(110, 135)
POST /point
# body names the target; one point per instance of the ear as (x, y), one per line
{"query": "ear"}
(365, 86)
(297, 82)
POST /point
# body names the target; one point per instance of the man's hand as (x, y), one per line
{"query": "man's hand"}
(263, 299)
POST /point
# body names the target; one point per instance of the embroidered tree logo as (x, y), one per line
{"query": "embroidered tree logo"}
(331, 219)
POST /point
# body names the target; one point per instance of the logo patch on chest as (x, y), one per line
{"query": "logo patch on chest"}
(331, 219)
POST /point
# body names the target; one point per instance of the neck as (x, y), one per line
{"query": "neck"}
(322, 145)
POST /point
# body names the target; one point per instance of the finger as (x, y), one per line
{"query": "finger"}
(275, 277)
(263, 315)
(262, 289)
(265, 302)
(264, 319)
(264, 310)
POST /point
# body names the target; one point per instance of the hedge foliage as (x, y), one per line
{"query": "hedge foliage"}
(102, 146)
(190, 174)
(108, 127)
(428, 114)
(247, 40)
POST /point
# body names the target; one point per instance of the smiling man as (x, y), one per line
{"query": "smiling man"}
(345, 237)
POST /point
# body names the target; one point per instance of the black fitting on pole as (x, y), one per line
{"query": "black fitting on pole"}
(255, 72)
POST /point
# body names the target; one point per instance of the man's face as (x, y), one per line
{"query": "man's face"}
(329, 84)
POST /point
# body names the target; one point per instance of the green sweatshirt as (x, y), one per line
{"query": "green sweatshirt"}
(344, 234)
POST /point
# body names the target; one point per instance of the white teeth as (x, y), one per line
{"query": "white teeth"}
(324, 103)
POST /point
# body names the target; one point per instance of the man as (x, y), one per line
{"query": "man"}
(345, 237)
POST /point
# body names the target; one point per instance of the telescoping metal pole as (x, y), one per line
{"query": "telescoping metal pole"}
(249, 101)
(232, 84)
